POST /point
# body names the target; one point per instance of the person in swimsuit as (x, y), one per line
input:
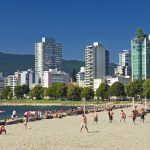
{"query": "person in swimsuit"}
(123, 116)
(95, 117)
(110, 115)
(83, 123)
(25, 121)
(142, 115)
(14, 115)
(134, 116)
(2, 129)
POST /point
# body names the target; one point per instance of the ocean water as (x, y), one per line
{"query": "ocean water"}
(22, 109)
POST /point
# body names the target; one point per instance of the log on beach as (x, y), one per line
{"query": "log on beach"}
(19, 120)
(2, 122)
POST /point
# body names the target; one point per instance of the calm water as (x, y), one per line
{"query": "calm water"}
(22, 109)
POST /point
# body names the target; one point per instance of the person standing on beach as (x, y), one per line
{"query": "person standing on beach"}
(123, 116)
(134, 114)
(25, 121)
(83, 123)
(142, 115)
(110, 115)
(95, 117)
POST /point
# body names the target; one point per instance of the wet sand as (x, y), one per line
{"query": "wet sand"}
(64, 134)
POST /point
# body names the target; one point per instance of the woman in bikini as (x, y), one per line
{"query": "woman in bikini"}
(123, 116)
(25, 121)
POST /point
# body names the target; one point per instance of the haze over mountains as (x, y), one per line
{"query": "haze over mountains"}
(9, 63)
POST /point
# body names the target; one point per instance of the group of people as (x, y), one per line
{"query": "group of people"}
(135, 113)
(140, 113)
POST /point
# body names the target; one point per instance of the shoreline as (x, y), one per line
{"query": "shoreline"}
(28, 104)
(60, 104)
(77, 111)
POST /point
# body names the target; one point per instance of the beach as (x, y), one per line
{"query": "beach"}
(56, 134)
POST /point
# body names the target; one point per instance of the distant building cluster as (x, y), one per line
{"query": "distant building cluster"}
(133, 64)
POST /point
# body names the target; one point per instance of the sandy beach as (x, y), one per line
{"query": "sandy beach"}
(56, 134)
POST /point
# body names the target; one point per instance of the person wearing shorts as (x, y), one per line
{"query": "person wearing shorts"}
(110, 115)
(142, 115)
(25, 121)
(83, 123)
(123, 116)
(95, 117)
(133, 116)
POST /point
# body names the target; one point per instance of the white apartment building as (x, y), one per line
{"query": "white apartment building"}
(2, 82)
(124, 67)
(81, 77)
(12, 81)
(48, 55)
(19, 78)
(26, 77)
(110, 80)
(55, 76)
(95, 63)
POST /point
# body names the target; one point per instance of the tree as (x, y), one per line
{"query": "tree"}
(140, 34)
(134, 88)
(56, 90)
(37, 92)
(18, 92)
(74, 92)
(117, 89)
(87, 93)
(5, 92)
(102, 91)
(10, 95)
(49, 92)
(61, 90)
(25, 89)
(146, 88)
(21, 90)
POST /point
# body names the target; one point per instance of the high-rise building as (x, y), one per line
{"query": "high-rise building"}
(2, 82)
(140, 56)
(107, 61)
(124, 67)
(95, 62)
(26, 77)
(48, 55)
(81, 77)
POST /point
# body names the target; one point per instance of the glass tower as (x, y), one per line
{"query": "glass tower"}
(140, 56)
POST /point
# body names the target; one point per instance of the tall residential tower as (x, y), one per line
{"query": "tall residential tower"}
(96, 63)
(140, 56)
(48, 55)
(124, 67)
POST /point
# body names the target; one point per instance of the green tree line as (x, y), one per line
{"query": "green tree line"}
(60, 91)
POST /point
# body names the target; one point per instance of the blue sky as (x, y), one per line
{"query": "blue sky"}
(74, 23)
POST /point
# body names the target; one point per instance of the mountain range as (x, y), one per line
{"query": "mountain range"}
(9, 63)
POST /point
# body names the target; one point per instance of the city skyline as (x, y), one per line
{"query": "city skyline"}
(74, 23)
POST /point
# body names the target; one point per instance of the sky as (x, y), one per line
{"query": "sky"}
(74, 23)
